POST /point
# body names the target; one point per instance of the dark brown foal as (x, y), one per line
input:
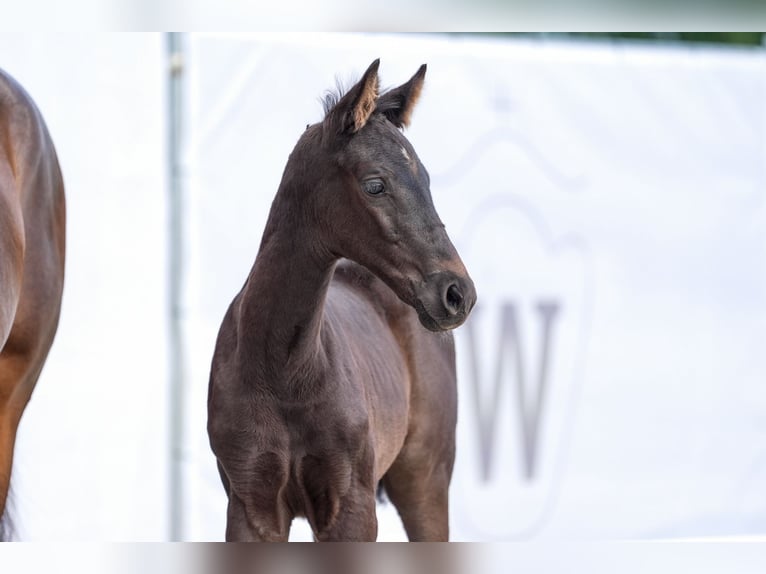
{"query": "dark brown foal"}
(324, 381)
(32, 236)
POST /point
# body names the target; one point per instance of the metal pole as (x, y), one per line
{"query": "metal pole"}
(175, 261)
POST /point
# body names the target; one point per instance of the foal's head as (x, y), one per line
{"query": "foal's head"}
(373, 203)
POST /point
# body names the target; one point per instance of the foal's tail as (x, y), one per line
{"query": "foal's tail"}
(381, 494)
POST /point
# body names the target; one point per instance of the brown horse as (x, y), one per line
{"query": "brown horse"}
(32, 236)
(324, 383)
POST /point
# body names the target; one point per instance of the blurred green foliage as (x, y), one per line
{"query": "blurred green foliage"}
(738, 38)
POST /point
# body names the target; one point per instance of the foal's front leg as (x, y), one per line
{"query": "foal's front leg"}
(244, 524)
(339, 491)
(418, 486)
(355, 521)
(256, 511)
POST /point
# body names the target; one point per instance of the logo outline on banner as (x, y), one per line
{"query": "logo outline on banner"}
(510, 337)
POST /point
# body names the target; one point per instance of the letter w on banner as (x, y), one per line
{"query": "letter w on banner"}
(520, 368)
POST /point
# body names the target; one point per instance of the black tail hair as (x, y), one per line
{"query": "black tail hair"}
(381, 493)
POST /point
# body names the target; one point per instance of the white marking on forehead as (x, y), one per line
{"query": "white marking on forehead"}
(406, 155)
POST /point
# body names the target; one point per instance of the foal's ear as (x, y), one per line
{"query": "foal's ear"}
(397, 104)
(353, 110)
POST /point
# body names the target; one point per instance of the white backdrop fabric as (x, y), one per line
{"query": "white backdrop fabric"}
(607, 198)
(608, 201)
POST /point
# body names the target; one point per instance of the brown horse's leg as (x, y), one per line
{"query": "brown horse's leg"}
(8, 423)
(420, 493)
(17, 376)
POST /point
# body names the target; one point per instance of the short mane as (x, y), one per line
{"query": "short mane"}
(333, 96)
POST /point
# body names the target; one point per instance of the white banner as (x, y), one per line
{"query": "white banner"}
(609, 204)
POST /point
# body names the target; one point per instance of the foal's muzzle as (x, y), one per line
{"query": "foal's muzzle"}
(444, 300)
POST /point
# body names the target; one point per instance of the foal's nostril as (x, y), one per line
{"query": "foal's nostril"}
(453, 299)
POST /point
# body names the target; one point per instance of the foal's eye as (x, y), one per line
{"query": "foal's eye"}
(373, 186)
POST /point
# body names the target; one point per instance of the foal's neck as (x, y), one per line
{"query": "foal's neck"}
(283, 299)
